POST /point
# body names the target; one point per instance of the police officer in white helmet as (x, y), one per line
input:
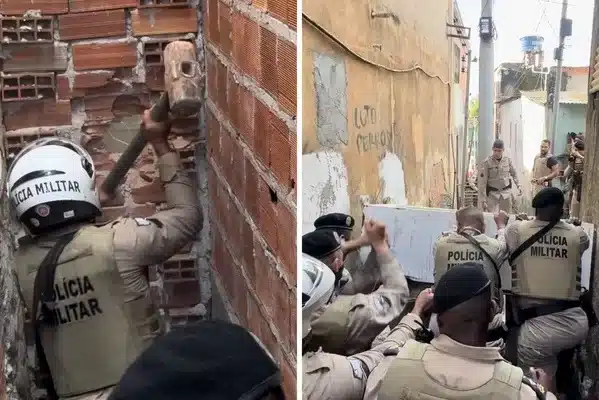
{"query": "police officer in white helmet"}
(332, 376)
(86, 286)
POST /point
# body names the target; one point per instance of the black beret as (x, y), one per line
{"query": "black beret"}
(547, 197)
(459, 284)
(335, 221)
(498, 144)
(320, 243)
(210, 360)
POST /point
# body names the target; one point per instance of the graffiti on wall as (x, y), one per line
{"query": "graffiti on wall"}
(369, 136)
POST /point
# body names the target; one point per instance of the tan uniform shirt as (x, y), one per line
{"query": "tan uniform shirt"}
(542, 338)
(140, 242)
(457, 366)
(334, 377)
(365, 278)
(369, 314)
(496, 175)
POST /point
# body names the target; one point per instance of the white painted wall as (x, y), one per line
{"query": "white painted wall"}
(533, 130)
(325, 186)
(510, 118)
(392, 180)
(578, 82)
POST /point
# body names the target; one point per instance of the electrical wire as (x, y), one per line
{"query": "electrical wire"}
(337, 41)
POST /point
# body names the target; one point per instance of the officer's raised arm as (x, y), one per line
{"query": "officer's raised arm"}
(152, 240)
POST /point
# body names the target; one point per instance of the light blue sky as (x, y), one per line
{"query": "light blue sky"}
(517, 18)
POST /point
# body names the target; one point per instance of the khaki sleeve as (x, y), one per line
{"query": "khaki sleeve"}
(334, 377)
(373, 312)
(482, 176)
(511, 236)
(584, 240)
(513, 173)
(147, 241)
(501, 244)
(366, 278)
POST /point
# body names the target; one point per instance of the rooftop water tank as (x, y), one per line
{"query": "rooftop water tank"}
(532, 44)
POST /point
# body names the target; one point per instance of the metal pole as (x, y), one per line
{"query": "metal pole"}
(559, 54)
(485, 86)
(464, 170)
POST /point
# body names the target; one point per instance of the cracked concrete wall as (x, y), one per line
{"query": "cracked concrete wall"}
(376, 106)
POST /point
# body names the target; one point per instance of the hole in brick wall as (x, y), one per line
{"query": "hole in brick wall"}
(28, 93)
(9, 24)
(153, 59)
(27, 36)
(126, 105)
(293, 184)
(11, 36)
(45, 92)
(11, 82)
(44, 24)
(27, 81)
(44, 81)
(273, 195)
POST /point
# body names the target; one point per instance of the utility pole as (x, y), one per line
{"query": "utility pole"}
(565, 30)
(464, 170)
(486, 86)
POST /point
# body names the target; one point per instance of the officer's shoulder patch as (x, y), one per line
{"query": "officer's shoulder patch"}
(357, 368)
(142, 221)
(539, 390)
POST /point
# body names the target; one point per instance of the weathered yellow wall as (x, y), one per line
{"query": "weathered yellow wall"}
(411, 117)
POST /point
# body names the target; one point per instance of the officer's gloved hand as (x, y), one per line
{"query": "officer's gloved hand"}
(522, 217)
(575, 221)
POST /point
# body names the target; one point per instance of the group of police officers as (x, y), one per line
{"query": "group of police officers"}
(470, 335)
(496, 176)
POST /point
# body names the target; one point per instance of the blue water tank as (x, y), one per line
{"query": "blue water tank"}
(532, 44)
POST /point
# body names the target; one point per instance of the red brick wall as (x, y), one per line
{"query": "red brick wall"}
(251, 72)
(85, 69)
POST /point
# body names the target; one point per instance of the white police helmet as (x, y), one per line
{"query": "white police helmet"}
(318, 282)
(51, 184)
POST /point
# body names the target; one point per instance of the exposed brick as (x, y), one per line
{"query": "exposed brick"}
(289, 381)
(153, 50)
(224, 28)
(292, 14)
(211, 21)
(292, 320)
(287, 246)
(164, 20)
(280, 151)
(181, 282)
(98, 5)
(19, 7)
(266, 279)
(104, 55)
(103, 161)
(258, 324)
(287, 76)
(263, 4)
(246, 45)
(268, 61)
(213, 136)
(221, 84)
(262, 137)
(92, 79)
(247, 243)
(15, 142)
(19, 29)
(37, 113)
(293, 163)
(27, 86)
(161, 3)
(34, 57)
(63, 89)
(267, 220)
(92, 24)
(278, 9)
(251, 189)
